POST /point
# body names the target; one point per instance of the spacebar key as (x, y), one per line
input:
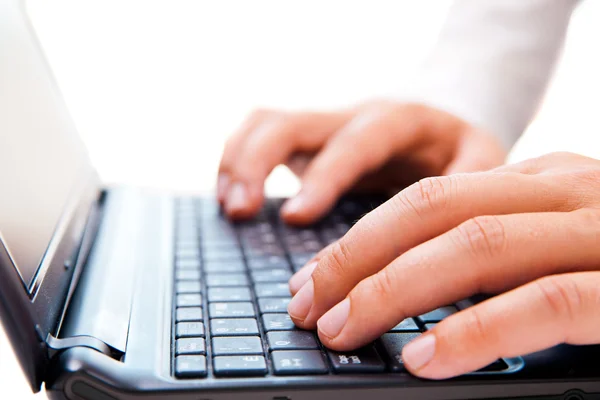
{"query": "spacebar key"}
(393, 344)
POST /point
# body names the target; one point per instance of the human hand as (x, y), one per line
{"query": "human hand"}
(530, 230)
(375, 146)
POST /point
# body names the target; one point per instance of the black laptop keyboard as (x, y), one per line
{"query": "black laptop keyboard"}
(231, 295)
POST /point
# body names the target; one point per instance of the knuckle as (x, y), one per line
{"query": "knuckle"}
(590, 217)
(537, 165)
(587, 177)
(423, 197)
(381, 285)
(260, 114)
(562, 155)
(482, 236)
(475, 327)
(336, 260)
(561, 295)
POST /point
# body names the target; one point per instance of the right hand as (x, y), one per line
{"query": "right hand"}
(379, 146)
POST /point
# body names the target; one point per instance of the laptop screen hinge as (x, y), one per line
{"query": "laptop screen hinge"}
(56, 345)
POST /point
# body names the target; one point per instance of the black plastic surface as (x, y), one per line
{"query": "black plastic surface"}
(145, 369)
(121, 382)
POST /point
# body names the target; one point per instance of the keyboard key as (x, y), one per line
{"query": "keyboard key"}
(224, 266)
(298, 362)
(408, 325)
(190, 346)
(189, 300)
(229, 294)
(264, 251)
(240, 345)
(188, 287)
(220, 246)
(438, 314)
(188, 264)
(189, 253)
(225, 280)
(365, 359)
(187, 233)
(187, 275)
(430, 326)
(278, 322)
(271, 275)
(291, 340)
(222, 256)
(258, 241)
(221, 253)
(217, 240)
(190, 366)
(272, 290)
(217, 227)
(268, 262)
(189, 329)
(188, 314)
(330, 236)
(393, 344)
(273, 305)
(296, 248)
(312, 246)
(231, 310)
(186, 243)
(300, 261)
(240, 366)
(233, 327)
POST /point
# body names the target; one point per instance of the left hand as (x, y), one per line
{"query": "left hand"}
(533, 227)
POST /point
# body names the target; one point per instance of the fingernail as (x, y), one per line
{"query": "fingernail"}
(294, 205)
(419, 352)
(301, 277)
(237, 197)
(332, 323)
(302, 301)
(222, 183)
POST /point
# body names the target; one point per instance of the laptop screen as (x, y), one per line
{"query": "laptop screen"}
(41, 158)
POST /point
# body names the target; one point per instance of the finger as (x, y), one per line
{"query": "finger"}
(417, 214)
(550, 163)
(550, 311)
(298, 162)
(347, 156)
(304, 274)
(482, 255)
(232, 148)
(477, 151)
(269, 144)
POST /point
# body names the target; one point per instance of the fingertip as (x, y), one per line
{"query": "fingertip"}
(241, 201)
(301, 210)
(301, 277)
(223, 181)
(419, 353)
(331, 324)
(293, 209)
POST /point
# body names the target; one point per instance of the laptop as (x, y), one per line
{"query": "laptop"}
(122, 294)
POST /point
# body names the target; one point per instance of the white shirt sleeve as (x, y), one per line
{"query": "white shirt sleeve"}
(493, 61)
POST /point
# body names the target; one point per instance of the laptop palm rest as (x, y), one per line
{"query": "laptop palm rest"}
(102, 302)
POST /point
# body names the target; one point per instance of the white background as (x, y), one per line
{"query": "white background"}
(156, 86)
